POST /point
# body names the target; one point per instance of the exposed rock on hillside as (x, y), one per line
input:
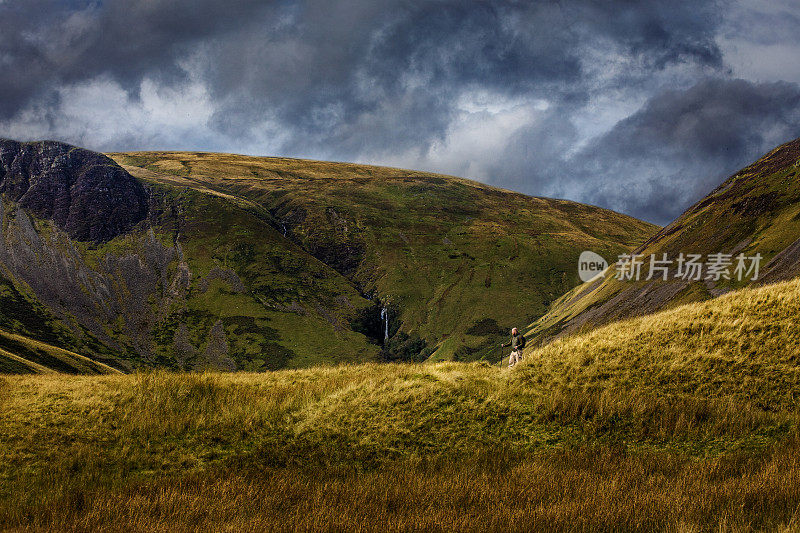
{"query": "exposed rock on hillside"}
(84, 193)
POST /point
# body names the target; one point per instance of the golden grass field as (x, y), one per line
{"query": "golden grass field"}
(681, 421)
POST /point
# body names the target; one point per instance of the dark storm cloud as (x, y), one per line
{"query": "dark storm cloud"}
(46, 43)
(301, 57)
(681, 144)
(357, 76)
(389, 81)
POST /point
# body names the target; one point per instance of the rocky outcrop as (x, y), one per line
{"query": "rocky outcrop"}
(83, 192)
(115, 291)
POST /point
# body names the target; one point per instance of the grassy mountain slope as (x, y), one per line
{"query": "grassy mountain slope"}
(685, 420)
(743, 346)
(757, 210)
(21, 355)
(456, 262)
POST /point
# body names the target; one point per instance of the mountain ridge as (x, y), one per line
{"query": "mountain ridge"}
(755, 211)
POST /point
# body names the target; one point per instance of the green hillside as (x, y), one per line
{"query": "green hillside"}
(456, 263)
(205, 284)
(755, 211)
(684, 420)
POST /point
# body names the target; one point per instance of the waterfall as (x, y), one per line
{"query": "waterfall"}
(284, 229)
(385, 318)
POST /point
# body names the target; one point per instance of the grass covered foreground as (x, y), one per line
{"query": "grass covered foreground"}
(683, 421)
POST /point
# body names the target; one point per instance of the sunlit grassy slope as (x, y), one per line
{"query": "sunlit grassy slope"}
(684, 420)
(21, 355)
(744, 345)
(755, 211)
(457, 262)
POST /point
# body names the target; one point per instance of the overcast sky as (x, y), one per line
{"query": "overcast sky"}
(641, 106)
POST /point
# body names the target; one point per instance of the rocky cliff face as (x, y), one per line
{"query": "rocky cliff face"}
(84, 193)
(197, 281)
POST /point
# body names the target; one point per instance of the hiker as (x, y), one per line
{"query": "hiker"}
(517, 343)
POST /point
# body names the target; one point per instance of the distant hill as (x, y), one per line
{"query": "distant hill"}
(194, 260)
(755, 211)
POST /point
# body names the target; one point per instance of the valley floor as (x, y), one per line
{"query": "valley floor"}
(682, 421)
(376, 447)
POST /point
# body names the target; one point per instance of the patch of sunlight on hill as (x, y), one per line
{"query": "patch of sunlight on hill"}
(745, 344)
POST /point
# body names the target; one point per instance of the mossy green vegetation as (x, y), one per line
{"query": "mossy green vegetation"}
(443, 253)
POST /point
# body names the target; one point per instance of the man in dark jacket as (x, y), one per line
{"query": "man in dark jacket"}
(517, 343)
